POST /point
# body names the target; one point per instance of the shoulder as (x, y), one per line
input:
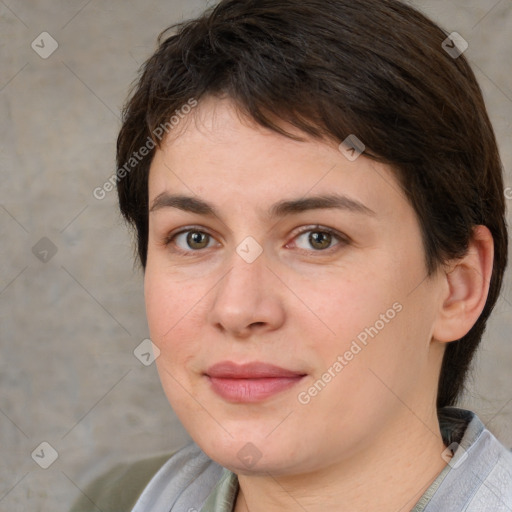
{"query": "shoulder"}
(118, 489)
(179, 481)
(494, 476)
(480, 474)
(183, 483)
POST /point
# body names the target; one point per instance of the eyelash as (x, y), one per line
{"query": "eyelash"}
(342, 240)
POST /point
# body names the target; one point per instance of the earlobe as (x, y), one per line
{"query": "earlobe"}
(467, 282)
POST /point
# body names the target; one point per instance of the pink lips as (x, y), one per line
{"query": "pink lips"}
(251, 382)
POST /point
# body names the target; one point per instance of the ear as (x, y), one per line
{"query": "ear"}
(467, 281)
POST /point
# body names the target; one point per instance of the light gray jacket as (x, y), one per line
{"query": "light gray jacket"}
(478, 478)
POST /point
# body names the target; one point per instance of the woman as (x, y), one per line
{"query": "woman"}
(318, 201)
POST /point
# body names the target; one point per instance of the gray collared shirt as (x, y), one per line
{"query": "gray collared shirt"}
(478, 478)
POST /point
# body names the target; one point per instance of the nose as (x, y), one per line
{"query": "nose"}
(248, 299)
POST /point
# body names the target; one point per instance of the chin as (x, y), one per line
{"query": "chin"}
(258, 457)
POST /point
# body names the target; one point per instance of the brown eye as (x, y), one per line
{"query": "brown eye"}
(190, 240)
(320, 239)
(317, 239)
(197, 239)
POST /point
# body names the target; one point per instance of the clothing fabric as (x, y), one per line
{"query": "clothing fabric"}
(478, 478)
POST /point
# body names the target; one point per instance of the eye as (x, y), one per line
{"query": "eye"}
(191, 240)
(319, 239)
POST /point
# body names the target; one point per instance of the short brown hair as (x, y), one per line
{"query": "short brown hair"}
(331, 68)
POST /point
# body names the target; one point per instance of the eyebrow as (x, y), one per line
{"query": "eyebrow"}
(279, 209)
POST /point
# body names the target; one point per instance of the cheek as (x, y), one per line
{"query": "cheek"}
(346, 305)
(171, 308)
(174, 329)
(368, 319)
(159, 304)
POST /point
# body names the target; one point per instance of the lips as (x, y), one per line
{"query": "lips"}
(255, 370)
(250, 382)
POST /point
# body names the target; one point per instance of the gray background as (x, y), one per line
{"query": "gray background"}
(68, 326)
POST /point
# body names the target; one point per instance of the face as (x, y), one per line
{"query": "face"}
(287, 254)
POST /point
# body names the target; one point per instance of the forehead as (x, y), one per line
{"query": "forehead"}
(218, 153)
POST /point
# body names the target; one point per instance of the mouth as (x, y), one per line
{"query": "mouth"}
(250, 382)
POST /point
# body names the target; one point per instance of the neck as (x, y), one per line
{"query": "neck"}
(391, 473)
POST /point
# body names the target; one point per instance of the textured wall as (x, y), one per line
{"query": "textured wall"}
(71, 303)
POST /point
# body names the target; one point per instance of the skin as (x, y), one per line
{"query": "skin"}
(370, 439)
